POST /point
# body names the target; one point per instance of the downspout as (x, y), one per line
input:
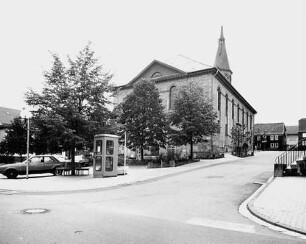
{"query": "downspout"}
(212, 92)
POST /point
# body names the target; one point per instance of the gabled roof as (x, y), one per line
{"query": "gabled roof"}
(269, 129)
(180, 65)
(175, 70)
(292, 130)
(7, 115)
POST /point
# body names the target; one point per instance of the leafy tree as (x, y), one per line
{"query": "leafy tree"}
(142, 114)
(15, 140)
(239, 137)
(193, 116)
(72, 105)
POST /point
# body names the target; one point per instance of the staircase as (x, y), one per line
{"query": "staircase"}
(291, 162)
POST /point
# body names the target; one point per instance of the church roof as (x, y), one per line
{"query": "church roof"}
(186, 64)
(221, 60)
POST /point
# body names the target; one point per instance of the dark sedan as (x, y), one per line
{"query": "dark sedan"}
(38, 164)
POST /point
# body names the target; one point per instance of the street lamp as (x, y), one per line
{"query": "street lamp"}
(123, 126)
(26, 114)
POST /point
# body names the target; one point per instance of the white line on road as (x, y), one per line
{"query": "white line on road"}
(221, 225)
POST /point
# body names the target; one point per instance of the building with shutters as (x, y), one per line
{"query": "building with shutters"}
(270, 136)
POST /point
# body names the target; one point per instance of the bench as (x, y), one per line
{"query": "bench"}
(82, 170)
(66, 170)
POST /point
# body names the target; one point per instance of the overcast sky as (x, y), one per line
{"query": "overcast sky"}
(265, 43)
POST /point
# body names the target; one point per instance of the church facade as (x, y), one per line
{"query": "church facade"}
(216, 80)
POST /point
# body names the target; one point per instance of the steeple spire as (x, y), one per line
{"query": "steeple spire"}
(221, 60)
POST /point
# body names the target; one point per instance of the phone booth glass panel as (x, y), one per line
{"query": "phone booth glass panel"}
(98, 158)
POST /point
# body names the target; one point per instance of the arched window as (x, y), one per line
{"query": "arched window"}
(233, 107)
(247, 121)
(172, 96)
(219, 99)
(238, 113)
(156, 75)
(226, 105)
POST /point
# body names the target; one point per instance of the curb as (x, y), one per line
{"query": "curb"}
(107, 188)
(248, 204)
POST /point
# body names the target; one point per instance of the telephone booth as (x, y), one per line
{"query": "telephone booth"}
(105, 160)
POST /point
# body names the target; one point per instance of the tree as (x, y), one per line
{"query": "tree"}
(239, 137)
(142, 114)
(72, 105)
(193, 116)
(15, 140)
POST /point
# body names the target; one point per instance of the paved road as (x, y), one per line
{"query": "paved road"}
(195, 207)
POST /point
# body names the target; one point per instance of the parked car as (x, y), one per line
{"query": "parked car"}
(38, 164)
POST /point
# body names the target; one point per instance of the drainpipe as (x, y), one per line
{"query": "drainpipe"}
(212, 91)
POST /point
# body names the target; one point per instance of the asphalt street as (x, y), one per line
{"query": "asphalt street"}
(195, 207)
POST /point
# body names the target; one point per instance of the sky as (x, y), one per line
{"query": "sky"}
(265, 42)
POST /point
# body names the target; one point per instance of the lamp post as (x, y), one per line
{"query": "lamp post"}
(123, 126)
(26, 114)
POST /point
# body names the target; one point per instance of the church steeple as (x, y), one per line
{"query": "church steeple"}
(221, 60)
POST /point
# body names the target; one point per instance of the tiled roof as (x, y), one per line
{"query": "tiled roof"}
(7, 115)
(271, 128)
(185, 64)
(292, 129)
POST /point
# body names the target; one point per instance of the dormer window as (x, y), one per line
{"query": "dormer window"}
(156, 75)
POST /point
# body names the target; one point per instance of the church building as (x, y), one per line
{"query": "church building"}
(216, 80)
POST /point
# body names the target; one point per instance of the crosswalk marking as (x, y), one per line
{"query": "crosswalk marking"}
(221, 225)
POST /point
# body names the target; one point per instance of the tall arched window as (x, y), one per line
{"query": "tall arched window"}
(219, 99)
(172, 96)
(233, 112)
(238, 117)
(226, 105)
(247, 121)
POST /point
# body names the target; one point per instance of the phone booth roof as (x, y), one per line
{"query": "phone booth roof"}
(106, 135)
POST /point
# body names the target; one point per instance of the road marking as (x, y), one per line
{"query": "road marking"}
(221, 225)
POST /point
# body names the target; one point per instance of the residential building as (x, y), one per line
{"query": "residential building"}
(292, 135)
(7, 115)
(270, 136)
(231, 106)
(302, 133)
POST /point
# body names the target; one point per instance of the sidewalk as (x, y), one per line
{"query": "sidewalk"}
(48, 183)
(282, 203)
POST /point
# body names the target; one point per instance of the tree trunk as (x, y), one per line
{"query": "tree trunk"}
(141, 153)
(191, 148)
(72, 153)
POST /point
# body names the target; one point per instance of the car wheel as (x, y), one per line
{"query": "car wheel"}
(57, 171)
(11, 174)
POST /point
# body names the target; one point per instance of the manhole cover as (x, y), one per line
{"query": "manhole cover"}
(35, 211)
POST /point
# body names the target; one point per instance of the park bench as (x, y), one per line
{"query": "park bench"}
(79, 170)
